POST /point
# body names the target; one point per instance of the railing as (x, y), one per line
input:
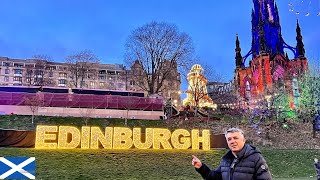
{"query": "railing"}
(81, 101)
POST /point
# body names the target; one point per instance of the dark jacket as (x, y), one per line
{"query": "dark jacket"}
(249, 165)
(317, 167)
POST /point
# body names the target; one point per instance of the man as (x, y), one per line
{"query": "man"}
(241, 162)
(315, 124)
(317, 167)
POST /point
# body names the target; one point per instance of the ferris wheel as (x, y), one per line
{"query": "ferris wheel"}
(304, 7)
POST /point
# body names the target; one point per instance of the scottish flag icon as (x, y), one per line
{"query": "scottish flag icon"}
(17, 167)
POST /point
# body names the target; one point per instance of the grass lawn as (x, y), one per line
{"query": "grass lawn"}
(151, 164)
(24, 122)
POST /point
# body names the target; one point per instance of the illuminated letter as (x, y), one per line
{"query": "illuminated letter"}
(97, 136)
(65, 142)
(122, 138)
(161, 137)
(184, 142)
(85, 137)
(137, 140)
(42, 136)
(196, 139)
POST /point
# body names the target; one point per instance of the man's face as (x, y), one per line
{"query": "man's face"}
(235, 141)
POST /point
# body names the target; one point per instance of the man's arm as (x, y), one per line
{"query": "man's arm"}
(262, 171)
(207, 173)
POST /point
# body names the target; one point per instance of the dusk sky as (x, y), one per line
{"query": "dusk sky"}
(59, 28)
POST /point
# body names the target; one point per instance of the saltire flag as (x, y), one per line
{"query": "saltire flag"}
(17, 167)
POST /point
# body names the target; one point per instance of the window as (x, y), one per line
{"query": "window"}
(63, 75)
(132, 82)
(51, 68)
(18, 65)
(17, 71)
(7, 64)
(7, 71)
(92, 84)
(38, 72)
(62, 81)
(17, 79)
(101, 84)
(102, 77)
(6, 78)
(50, 74)
(111, 72)
(102, 72)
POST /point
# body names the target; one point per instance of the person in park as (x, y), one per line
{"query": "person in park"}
(241, 162)
(317, 167)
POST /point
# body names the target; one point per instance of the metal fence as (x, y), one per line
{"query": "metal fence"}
(81, 101)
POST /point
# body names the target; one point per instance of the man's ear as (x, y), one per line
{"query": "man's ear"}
(244, 140)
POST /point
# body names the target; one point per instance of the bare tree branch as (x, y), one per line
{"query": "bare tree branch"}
(37, 75)
(159, 49)
(81, 65)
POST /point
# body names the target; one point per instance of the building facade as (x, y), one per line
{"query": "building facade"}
(35, 72)
(170, 89)
(270, 67)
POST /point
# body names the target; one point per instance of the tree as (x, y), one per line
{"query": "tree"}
(34, 102)
(159, 49)
(309, 85)
(82, 66)
(86, 114)
(128, 103)
(36, 75)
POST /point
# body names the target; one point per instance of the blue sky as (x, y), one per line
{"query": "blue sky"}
(59, 28)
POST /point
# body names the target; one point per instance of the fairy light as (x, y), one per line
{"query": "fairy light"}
(85, 137)
(304, 7)
(137, 138)
(44, 134)
(69, 137)
(161, 137)
(197, 139)
(180, 139)
(122, 138)
(98, 137)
